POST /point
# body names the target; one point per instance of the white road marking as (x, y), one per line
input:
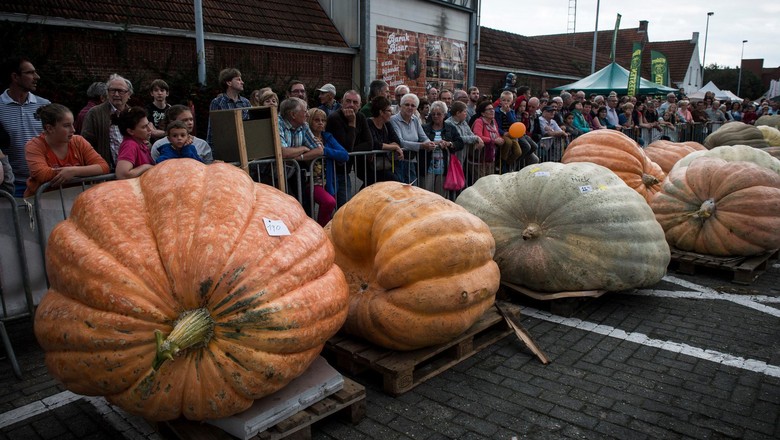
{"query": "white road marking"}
(37, 407)
(676, 347)
(132, 427)
(752, 302)
(702, 292)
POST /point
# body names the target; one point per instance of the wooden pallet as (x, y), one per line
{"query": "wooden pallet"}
(349, 403)
(744, 270)
(402, 371)
(559, 303)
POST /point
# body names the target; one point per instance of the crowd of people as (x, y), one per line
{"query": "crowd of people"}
(411, 136)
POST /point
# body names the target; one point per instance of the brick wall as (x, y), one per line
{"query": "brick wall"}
(69, 59)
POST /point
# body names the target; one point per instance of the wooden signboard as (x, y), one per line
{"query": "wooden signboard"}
(240, 139)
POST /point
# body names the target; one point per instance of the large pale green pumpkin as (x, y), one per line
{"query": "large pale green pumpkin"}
(770, 120)
(734, 153)
(771, 135)
(569, 227)
(735, 133)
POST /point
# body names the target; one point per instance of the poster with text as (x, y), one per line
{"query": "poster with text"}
(420, 60)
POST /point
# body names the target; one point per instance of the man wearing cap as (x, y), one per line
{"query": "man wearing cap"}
(548, 125)
(328, 102)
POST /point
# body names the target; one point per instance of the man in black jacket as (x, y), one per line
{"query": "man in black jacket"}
(350, 128)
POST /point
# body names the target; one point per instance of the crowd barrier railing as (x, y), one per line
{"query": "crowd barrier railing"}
(551, 148)
(53, 205)
(684, 132)
(15, 291)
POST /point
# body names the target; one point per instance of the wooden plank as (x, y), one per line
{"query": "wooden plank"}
(512, 315)
(546, 296)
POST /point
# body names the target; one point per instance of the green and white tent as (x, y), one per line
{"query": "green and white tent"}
(613, 77)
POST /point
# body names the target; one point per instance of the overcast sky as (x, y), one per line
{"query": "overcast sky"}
(733, 21)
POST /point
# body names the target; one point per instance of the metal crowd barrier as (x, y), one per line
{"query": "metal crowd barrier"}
(696, 132)
(551, 148)
(15, 292)
(52, 205)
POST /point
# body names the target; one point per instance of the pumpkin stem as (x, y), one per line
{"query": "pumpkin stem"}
(532, 231)
(193, 327)
(649, 180)
(706, 210)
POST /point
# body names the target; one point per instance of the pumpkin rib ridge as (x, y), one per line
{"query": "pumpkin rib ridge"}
(118, 265)
(236, 242)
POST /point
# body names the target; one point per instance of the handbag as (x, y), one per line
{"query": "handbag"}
(455, 180)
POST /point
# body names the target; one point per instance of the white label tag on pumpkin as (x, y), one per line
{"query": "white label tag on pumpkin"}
(542, 174)
(275, 228)
(586, 189)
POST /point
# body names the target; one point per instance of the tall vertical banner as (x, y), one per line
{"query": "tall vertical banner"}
(614, 38)
(659, 68)
(633, 74)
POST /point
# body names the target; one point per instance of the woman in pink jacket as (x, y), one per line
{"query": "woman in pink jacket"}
(486, 128)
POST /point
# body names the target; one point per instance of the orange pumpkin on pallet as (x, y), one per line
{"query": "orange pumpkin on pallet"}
(169, 297)
(619, 153)
(720, 208)
(420, 268)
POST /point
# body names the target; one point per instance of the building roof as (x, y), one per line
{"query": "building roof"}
(584, 40)
(678, 53)
(262, 19)
(521, 53)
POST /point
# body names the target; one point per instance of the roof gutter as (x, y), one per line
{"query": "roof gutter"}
(150, 30)
(527, 72)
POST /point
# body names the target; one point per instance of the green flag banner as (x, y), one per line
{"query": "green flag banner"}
(614, 38)
(633, 74)
(659, 68)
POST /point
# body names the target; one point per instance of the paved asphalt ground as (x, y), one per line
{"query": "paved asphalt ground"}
(692, 357)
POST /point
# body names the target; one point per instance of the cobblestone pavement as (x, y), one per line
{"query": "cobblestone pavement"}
(692, 357)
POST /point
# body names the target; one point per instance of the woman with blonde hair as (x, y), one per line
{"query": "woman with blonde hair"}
(269, 99)
(684, 112)
(323, 178)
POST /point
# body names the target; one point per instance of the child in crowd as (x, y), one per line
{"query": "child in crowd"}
(179, 143)
(505, 117)
(155, 111)
(134, 156)
(184, 114)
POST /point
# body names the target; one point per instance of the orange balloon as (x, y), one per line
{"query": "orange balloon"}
(517, 130)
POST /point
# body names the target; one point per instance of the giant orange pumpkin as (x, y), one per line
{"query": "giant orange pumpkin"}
(721, 208)
(619, 153)
(667, 153)
(420, 268)
(169, 297)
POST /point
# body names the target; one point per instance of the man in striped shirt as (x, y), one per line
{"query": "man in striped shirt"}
(17, 116)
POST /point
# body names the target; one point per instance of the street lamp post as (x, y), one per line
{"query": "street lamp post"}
(739, 81)
(595, 39)
(704, 57)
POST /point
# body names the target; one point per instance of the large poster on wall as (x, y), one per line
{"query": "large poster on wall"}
(420, 60)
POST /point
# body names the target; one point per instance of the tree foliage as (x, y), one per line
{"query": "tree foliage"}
(727, 78)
